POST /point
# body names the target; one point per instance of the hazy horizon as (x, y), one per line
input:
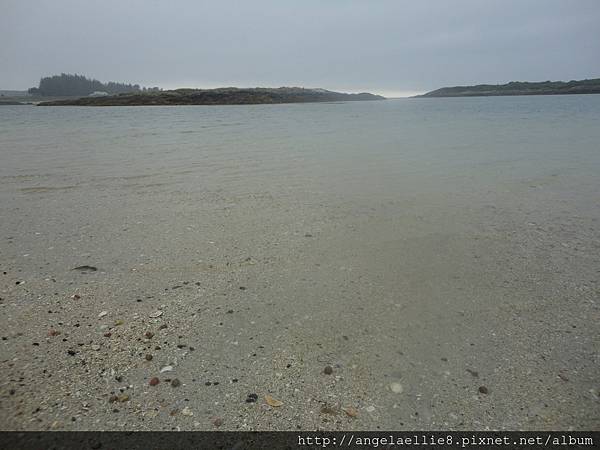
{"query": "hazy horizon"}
(389, 48)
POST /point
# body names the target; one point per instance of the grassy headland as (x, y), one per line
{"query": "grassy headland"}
(519, 88)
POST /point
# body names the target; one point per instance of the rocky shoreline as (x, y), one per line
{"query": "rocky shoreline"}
(221, 96)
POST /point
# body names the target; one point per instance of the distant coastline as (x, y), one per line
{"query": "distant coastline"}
(221, 96)
(591, 86)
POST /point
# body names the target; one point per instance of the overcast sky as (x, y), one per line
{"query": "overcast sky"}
(384, 46)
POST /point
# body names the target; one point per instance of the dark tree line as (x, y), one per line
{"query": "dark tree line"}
(72, 84)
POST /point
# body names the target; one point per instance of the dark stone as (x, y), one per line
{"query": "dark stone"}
(85, 269)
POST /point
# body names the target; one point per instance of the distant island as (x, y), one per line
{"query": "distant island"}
(220, 96)
(519, 88)
(67, 84)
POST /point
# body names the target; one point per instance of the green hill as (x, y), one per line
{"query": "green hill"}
(520, 88)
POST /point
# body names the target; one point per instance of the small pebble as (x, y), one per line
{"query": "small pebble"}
(148, 357)
(563, 377)
(350, 411)
(154, 381)
(218, 422)
(396, 388)
(328, 409)
(187, 411)
(483, 390)
(328, 370)
(176, 382)
(149, 334)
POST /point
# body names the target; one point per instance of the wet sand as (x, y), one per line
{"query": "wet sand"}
(451, 308)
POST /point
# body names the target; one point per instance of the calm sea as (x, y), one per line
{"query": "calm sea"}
(357, 148)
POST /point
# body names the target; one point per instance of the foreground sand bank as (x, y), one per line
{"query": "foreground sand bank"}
(429, 317)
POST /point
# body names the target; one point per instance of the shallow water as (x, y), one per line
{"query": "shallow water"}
(404, 145)
(411, 241)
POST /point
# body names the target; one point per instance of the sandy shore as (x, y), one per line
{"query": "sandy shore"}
(429, 317)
